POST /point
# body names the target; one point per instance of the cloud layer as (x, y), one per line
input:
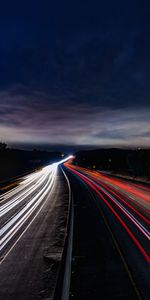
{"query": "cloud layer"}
(30, 119)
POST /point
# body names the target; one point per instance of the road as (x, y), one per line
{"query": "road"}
(111, 240)
(33, 229)
(111, 236)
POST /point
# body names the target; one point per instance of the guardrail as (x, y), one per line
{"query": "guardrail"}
(64, 277)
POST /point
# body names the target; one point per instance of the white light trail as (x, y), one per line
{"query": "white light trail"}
(20, 203)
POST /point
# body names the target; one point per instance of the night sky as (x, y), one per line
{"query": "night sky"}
(75, 73)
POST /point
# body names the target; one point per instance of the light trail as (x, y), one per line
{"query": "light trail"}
(133, 189)
(22, 196)
(135, 201)
(18, 220)
(22, 203)
(106, 197)
(124, 200)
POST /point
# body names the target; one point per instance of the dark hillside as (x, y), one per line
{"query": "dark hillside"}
(131, 162)
(14, 162)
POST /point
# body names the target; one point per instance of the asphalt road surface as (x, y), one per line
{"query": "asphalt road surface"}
(33, 228)
(111, 237)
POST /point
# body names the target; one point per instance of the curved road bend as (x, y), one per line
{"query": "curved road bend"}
(111, 239)
(33, 226)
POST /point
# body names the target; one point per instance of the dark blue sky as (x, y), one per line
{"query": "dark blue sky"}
(75, 72)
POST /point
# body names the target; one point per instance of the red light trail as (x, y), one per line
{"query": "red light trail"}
(122, 206)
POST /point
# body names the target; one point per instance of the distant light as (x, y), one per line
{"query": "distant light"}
(64, 160)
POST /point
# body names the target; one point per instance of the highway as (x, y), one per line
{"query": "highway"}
(33, 220)
(121, 210)
(111, 235)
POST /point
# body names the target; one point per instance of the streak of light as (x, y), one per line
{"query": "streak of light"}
(26, 200)
(97, 189)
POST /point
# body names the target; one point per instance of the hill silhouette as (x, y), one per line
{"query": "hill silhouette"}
(14, 162)
(130, 162)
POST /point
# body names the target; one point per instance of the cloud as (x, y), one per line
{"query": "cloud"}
(33, 119)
